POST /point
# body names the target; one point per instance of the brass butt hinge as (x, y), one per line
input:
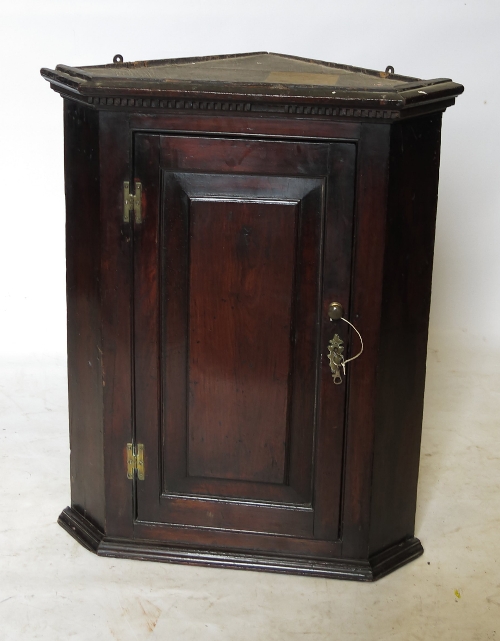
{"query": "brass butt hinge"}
(132, 203)
(135, 461)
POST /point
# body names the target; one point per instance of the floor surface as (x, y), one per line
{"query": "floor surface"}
(52, 588)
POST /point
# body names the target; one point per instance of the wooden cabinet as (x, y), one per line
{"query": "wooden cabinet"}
(216, 207)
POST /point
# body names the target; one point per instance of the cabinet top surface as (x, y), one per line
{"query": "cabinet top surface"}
(256, 76)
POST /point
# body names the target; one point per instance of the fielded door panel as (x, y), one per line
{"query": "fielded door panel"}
(242, 246)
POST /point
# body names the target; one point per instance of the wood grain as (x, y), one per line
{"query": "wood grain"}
(241, 289)
(202, 331)
(406, 298)
(240, 266)
(81, 155)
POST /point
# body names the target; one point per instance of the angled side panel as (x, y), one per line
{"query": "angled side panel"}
(81, 151)
(413, 187)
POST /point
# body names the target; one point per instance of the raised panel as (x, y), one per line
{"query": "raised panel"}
(241, 258)
(241, 286)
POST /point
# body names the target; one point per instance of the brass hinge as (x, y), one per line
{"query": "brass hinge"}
(132, 203)
(135, 461)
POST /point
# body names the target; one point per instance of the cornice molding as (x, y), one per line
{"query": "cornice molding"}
(163, 105)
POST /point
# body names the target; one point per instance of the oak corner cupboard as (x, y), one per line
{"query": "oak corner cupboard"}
(249, 257)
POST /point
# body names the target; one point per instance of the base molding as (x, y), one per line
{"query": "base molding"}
(377, 566)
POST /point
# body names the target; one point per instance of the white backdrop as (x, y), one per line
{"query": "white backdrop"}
(424, 38)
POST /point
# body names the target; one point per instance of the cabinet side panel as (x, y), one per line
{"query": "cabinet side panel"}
(413, 186)
(365, 313)
(81, 154)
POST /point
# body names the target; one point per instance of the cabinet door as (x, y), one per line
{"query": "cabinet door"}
(242, 246)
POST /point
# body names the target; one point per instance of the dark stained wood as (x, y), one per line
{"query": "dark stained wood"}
(372, 569)
(406, 297)
(243, 515)
(299, 369)
(116, 293)
(146, 333)
(250, 125)
(81, 156)
(224, 539)
(241, 291)
(202, 330)
(336, 286)
(288, 208)
(365, 314)
(234, 156)
(259, 82)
